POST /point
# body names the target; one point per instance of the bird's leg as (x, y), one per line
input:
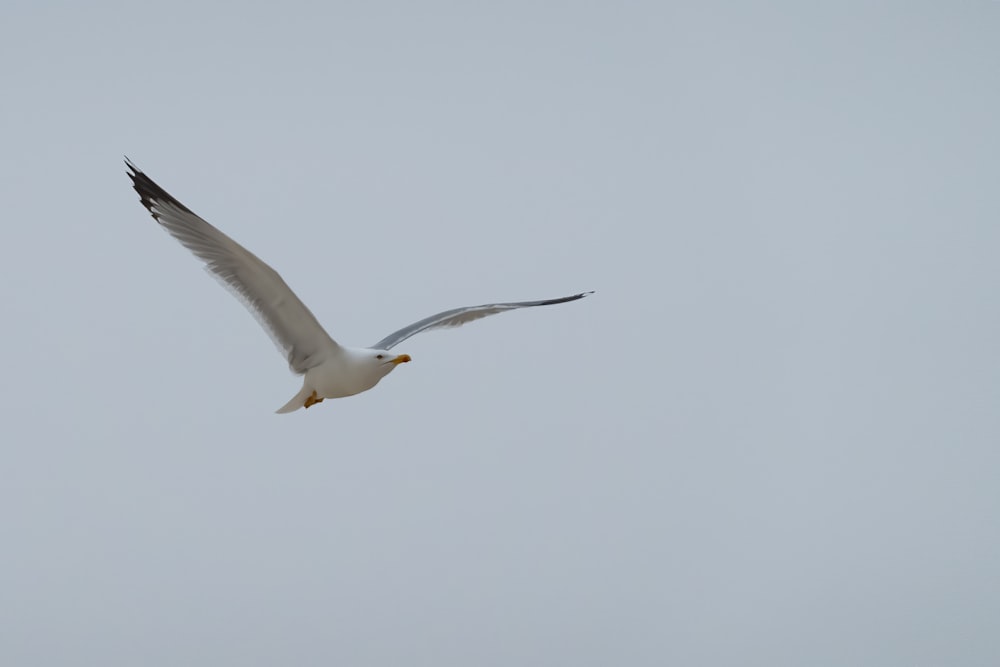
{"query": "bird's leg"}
(313, 399)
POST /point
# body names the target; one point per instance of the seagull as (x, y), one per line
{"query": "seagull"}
(329, 370)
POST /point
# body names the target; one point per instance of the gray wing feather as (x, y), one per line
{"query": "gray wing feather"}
(456, 317)
(292, 327)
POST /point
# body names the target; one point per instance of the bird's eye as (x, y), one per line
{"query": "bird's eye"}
(379, 356)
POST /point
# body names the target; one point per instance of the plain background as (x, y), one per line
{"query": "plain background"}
(770, 438)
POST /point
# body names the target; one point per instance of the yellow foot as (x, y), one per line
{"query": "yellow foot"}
(313, 399)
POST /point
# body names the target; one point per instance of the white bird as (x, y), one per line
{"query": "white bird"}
(330, 370)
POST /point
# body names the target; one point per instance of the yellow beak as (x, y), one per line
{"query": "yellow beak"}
(401, 359)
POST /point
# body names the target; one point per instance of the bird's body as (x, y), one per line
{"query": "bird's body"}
(329, 369)
(341, 375)
(346, 374)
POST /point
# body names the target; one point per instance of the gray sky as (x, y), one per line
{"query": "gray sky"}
(771, 437)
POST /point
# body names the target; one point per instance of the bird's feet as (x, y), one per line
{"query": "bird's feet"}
(313, 399)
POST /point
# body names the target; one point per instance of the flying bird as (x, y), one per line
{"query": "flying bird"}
(329, 370)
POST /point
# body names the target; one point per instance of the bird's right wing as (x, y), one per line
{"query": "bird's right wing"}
(456, 317)
(286, 319)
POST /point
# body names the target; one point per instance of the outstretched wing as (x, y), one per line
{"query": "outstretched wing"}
(285, 318)
(456, 317)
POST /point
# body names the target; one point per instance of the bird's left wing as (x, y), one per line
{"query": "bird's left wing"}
(456, 317)
(286, 319)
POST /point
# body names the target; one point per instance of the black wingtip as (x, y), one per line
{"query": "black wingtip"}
(564, 299)
(150, 194)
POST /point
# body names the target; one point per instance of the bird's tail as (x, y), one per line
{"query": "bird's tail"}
(298, 401)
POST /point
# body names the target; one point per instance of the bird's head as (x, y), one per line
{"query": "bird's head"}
(386, 361)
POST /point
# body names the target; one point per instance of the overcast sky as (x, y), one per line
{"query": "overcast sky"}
(770, 438)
